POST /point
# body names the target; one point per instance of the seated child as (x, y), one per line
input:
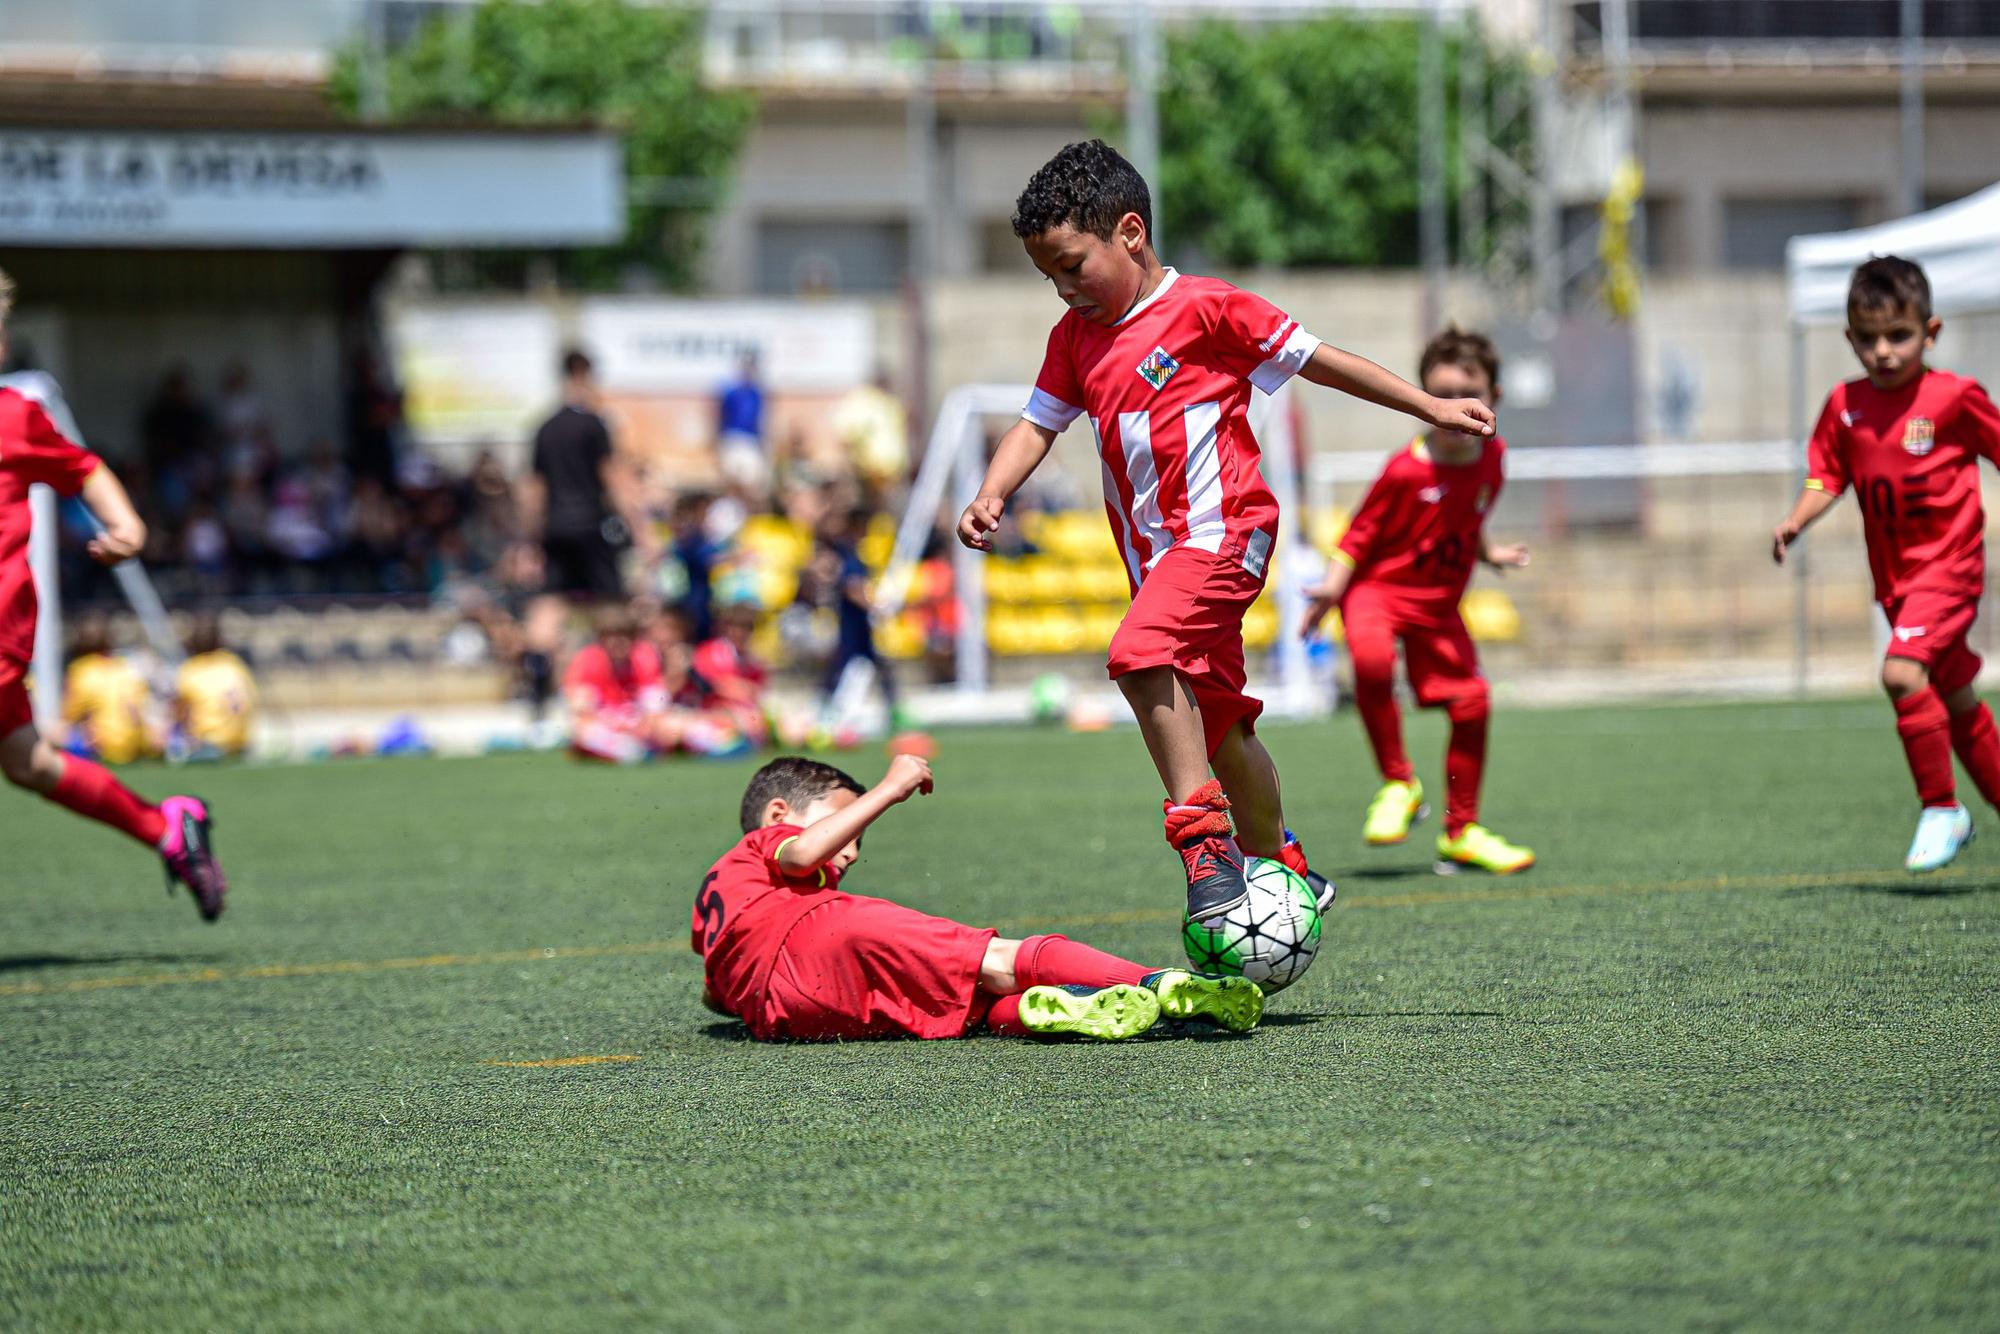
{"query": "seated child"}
(732, 677)
(792, 955)
(107, 704)
(617, 698)
(215, 698)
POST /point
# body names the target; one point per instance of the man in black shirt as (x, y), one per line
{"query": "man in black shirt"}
(574, 491)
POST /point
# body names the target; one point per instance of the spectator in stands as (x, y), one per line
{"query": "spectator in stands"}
(616, 695)
(699, 554)
(374, 420)
(492, 513)
(245, 430)
(836, 579)
(875, 433)
(739, 435)
(215, 698)
(575, 492)
(176, 439)
(107, 705)
(733, 678)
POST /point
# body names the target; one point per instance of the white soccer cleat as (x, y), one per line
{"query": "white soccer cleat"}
(1941, 833)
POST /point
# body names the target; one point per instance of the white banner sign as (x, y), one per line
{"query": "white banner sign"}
(484, 372)
(289, 190)
(644, 345)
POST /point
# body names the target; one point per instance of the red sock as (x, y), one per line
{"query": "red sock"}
(1978, 748)
(1293, 855)
(1205, 812)
(1004, 1017)
(1055, 961)
(1383, 722)
(89, 789)
(1925, 726)
(1464, 763)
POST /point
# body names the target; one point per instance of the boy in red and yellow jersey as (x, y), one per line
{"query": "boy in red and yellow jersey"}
(1399, 574)
(1908, 439)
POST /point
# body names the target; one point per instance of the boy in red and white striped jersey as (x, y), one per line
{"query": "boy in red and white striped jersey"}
(1163, 364)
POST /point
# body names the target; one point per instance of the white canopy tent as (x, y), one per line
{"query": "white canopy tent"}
(1959, 248)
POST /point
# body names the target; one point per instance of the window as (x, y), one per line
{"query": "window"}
(824, 258)
(1754, 231)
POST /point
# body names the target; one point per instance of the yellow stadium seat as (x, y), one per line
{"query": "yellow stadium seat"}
(1491, 616)
(1100, 582)
(1260, 625)
(1049, 580)
(1100, 623)
(901, 637)
(1006, 582)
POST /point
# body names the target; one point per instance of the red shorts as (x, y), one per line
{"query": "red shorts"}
(859, 967)
(1437, 649)
(1188, 615)
(15, 709)
(1930, 628)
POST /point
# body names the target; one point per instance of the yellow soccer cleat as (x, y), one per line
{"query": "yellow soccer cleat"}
(1395, 808)
(1481, 849)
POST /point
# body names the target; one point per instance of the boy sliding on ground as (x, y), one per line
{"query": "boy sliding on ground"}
(39, 444)
(792, 955)
(1163, 365)
(1908, 440)
(1399, 573)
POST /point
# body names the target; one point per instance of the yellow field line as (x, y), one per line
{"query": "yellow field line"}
(562, 1061)
(1486, 891)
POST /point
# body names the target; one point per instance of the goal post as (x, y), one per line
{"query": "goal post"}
(948, 479)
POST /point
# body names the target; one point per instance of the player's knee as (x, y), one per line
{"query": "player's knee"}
(23, 763)
(1903, 676)
(1473, 705)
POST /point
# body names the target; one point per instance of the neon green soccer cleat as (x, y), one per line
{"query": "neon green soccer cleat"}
(1234, 1003)
(1106, 1014)
(1481, 849)
(1395, 808)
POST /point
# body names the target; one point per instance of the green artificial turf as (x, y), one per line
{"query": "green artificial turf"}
(1715, 1063)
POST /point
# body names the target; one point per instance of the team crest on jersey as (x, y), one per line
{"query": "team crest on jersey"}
(1158, 368)
(1919, 436)
(1431, 495)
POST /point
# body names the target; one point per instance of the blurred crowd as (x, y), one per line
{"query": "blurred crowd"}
(623, 598)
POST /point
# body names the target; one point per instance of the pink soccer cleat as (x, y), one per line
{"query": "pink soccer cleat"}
(188, 856)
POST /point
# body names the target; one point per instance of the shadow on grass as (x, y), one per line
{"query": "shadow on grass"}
(1382, 872)
(1899, 889)
(11, 963)
(1418, 1014)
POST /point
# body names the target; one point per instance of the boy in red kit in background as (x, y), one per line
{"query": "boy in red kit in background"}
(38, 443)
(1399, 574)
(1163, 365)
(794, 956)
(1908, 439)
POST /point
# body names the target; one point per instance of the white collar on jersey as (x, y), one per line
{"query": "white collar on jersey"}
(1158, 292)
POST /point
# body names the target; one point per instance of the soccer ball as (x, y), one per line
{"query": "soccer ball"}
(1270, 938)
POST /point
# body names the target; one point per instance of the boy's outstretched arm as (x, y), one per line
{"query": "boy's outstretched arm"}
(1019, 453)
(820, 840)
(1812, 503)
(124, 534)
(1365, 380)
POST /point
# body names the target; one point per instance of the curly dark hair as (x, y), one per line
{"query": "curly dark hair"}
(1088, 186)
(797, 780)
(1464, 348)
(1889, 282)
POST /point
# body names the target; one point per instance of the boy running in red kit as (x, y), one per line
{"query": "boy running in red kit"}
(39, 443)
(1163, 365)
(793, 955)
(1399, 574)
(1908, 440)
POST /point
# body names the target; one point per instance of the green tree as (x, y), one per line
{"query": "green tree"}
(572, 62)
(1294, 144)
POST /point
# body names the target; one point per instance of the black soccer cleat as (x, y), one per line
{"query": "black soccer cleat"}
(1215, 880)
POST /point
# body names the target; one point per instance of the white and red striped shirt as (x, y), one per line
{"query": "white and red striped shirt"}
(1167, 389)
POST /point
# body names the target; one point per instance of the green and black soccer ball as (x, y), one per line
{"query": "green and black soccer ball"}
(1271, 937)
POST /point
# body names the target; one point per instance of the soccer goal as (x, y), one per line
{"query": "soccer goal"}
(1070, 582)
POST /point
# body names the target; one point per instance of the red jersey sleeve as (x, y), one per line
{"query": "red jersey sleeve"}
(1826, 455)
(49, 449)
(1258, 341)
(764, 844)
(1367, 523)
(583, 679)
(1980, 421)
(1058, 396)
